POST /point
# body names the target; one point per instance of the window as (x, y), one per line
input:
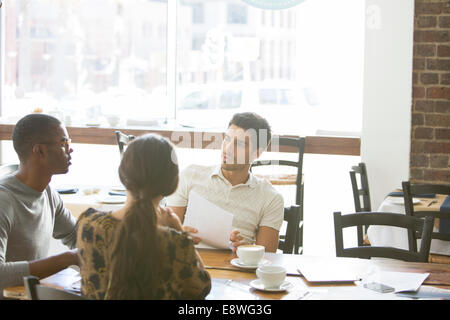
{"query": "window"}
(65, 58)
(71, 57)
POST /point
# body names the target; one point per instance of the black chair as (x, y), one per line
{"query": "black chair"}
(36, 291)
(292, 217)
(298, 144)
(424, 226)
(123, 140)
(361, 190)
(8, 169)
(411, 190)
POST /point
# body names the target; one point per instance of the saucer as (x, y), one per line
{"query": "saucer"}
(118, 188)
(257, 284)
(237, 263)
(113, 200)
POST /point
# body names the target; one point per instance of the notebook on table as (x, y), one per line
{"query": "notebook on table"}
(317, 270)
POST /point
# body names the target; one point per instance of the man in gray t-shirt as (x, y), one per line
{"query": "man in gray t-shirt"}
(31, 213)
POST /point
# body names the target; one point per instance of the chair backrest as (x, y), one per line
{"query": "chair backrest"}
(299, 144)
(8, 168)
(409, 191)
(424, 226)
(361, 190)
(35, 291)
(292, 217)
(123, 140)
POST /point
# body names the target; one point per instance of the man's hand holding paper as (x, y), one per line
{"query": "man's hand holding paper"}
(212, 223)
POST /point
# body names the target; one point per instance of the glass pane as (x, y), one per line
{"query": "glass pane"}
(267, 96)
(230, 99)
(196, 100)
(280, 60)
(84, 61)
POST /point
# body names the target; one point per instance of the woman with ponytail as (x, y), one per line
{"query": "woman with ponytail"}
(140, 251)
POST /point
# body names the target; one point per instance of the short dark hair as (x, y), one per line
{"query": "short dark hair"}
(32, 129)
(251, 120)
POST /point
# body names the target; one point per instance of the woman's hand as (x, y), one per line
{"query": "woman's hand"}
(166, 217)
(192, 231)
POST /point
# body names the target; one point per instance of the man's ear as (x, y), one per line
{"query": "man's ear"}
(38, 151)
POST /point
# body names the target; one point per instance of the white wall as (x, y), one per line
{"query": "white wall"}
(385, 144)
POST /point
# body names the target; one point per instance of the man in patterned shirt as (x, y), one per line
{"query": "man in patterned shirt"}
(256, 206)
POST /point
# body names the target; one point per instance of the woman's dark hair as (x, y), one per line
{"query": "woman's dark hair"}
(147, 170)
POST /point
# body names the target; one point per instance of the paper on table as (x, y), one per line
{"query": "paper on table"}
(400, 281)
(213, 223)
(427, 292)
(327, 269)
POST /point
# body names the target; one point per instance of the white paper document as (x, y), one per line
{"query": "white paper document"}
(400, 281)
(316, 269)
(213, 223)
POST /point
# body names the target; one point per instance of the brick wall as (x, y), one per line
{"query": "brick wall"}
(430, 127)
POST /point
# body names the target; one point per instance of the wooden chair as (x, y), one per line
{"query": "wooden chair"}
(424, 226)
(8, 169)
(361, 190)
(292, 217)
(409, 191)
(123, 140)
(297, 180)
(35, 291)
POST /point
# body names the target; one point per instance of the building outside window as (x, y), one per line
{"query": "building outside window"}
(236, 14)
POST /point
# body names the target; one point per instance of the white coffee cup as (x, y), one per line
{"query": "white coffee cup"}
(272, 277)
(250, 254)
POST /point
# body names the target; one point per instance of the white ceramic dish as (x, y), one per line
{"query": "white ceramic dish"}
(257, 284)
(118, 188)
(235, 262)
(113, 200)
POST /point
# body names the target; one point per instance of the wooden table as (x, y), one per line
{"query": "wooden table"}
(90, 197)
(60, 280)
(398, 238)
(218, 265)
(232, 283)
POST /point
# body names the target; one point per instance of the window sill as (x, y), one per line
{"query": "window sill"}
(197, 138)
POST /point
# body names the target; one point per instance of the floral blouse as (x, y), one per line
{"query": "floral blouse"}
(180, 276)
